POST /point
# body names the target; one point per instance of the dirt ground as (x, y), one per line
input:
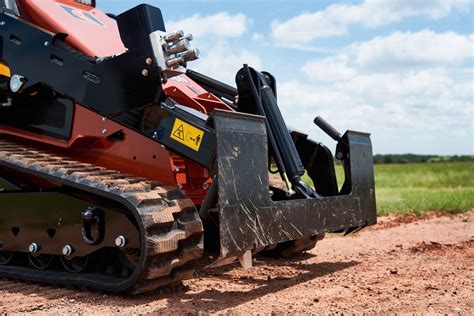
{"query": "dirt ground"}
(401, 265)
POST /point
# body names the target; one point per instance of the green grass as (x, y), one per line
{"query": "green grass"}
(422, 187)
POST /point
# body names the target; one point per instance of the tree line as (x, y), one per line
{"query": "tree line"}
(412, 158)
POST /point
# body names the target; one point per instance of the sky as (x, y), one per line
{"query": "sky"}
(402, 70)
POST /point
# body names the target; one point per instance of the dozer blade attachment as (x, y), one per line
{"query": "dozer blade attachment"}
(250, 220)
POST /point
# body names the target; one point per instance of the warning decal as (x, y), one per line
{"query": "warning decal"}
(179, 132)
(187, 134)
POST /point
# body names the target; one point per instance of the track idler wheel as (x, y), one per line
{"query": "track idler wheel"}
(40, 262)
(75, 264)
(5, 257)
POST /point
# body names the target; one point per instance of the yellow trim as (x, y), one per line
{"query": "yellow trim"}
(4, 70)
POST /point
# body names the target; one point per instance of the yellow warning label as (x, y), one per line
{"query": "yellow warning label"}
(187, 134)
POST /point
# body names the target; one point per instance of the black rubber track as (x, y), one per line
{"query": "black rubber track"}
(170, 227)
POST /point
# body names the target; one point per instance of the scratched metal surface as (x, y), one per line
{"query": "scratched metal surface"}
(247, 215)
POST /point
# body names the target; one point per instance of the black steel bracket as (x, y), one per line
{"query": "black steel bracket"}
(109, 86)
(249, 219)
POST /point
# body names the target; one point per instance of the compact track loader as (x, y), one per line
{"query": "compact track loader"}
(119, 165)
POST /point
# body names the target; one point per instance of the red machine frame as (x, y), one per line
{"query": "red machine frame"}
(136, 154)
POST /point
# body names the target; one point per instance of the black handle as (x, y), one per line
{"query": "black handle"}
(327, 128)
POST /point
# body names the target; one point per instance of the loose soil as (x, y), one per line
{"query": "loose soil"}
(417, 265)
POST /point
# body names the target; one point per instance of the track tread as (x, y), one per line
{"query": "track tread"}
(173, 230)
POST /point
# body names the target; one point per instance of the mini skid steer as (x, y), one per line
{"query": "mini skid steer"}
(119, 165)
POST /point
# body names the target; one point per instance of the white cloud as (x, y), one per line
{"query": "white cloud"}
(305, 28)
(221, 24)
(394, 86)
(329, 69)
(397, 110)
(257, 36)
(413, 49)
(304, 47)
(378, 12)
(223, 62)
(395, 53)
(335, 19)
(412, 91)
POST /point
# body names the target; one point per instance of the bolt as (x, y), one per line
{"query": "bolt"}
(33, 248)
(46, 43)
(144, 72)
(121, 241)
(104, 131)
(67, 250)
(339, 155)
(2, 23)
(149, 61)
(206, 185)
(176, 168)
(104, 119)
(180, 186)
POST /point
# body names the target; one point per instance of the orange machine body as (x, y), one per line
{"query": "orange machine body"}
(94, 33)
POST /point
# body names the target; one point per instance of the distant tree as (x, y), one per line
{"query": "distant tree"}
(412, 158)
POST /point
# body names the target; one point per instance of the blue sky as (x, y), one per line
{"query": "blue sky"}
(402, 70)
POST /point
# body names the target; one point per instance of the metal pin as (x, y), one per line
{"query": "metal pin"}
(174, 62)
(172, 37)
(33, 248)
(288, 185)
(190, 55)
(246, 259)
(179, 47)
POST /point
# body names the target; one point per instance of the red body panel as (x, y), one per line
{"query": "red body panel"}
(187, 92)
(90, 30)
(136, 154)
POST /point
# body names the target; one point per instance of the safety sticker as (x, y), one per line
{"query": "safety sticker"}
(81, 15)
(187, 134)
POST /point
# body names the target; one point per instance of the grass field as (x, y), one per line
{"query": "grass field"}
(423, 187)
